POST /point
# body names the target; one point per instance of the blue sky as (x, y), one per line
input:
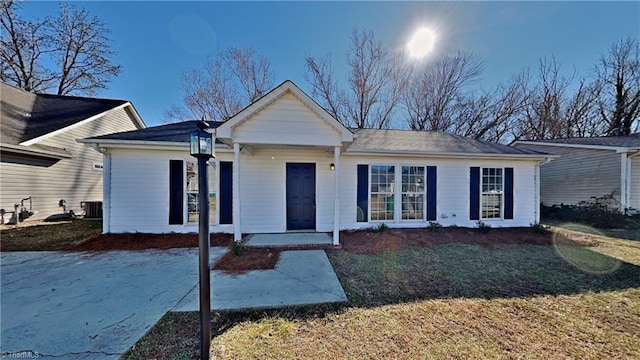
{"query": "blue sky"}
(157, 41)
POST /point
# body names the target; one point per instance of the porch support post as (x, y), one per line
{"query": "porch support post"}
(237, 234)
(336, 197)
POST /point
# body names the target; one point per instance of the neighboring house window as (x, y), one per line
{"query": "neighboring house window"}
(382, 192)
(413, 192)
(491, 202)
(97, 166)
(191, 189)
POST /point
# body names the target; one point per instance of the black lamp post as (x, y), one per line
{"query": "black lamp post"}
(201, 143)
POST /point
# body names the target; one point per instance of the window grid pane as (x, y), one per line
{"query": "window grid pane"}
(192, 193)
(382, 189)
(492, 190)
(413, 179)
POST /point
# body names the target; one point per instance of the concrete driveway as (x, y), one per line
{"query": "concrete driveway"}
(96, 306)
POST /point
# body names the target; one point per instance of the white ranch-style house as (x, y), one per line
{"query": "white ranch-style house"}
(285, 164)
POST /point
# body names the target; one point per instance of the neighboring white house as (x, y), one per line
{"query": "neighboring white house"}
(41, 160)
(590, 167)
(284, 164)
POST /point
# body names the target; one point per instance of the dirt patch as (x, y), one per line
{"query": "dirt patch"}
(253, 259)
(371, 242)
(138, 241)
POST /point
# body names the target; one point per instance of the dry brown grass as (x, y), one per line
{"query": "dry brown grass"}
(443, 301)
(41, 236)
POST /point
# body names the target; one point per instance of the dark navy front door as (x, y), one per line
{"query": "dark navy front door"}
(301, 196)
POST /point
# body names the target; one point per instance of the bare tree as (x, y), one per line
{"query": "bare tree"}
(552, 111)
(375, 81)
(219, 90)
(22, 50)
(438, 90)
(82, 52)
(619, 75)
(68, 54)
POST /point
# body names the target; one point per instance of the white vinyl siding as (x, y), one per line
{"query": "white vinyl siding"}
(140, 200)
(74, 180)
(578, 174)
(452, 190)
(303, 127)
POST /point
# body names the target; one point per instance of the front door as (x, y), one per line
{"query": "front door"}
(301, 196)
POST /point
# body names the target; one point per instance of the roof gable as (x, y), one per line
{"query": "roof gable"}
(282, 91)
(27, 117)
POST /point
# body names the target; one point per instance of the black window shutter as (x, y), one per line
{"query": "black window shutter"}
(474, 194)
(432, 184)
(508, 193)
(226, 192)
(176, 192)
(362, 214)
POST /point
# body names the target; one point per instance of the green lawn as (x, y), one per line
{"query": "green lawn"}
(41, 236)
(442, 302)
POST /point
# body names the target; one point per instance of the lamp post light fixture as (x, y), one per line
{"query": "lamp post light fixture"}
(201, 144)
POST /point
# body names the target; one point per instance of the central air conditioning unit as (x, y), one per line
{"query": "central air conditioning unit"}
(92, 209)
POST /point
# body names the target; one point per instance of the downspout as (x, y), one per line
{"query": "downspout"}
(537, 188)
(106, 188)
(628, 179)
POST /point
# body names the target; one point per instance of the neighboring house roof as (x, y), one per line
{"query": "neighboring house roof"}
(608, 142)
(26, 117)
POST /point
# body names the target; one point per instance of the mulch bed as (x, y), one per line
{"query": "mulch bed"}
(139, 241)
(253, 259)
(371, 242)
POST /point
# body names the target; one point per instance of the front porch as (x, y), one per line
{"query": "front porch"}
(290, 239)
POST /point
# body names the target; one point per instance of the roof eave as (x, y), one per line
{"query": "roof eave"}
(451, 155)
(142, 144)
(618, 149)
(25, 150)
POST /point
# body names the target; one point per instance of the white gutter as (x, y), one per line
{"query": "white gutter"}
(583, 146)
(627, 172)
(536, 195)
(106, 188)
(20, 149)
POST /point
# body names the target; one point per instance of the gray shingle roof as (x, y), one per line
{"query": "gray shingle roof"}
(367, 140)
(176, 132)
(615, 141)
(431, 142)
(26, 116)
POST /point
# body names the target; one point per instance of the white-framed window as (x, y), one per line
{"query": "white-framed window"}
(382, 192)
(97, 166)
(191, 190)
(492, 195)
(413, 193)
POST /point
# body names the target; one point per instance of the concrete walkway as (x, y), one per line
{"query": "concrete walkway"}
(301, 277)
(96, 306)
(289, 239)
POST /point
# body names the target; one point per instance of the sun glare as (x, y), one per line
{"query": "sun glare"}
(421, 43)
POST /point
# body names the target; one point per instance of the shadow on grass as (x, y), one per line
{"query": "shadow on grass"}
(475, 271)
